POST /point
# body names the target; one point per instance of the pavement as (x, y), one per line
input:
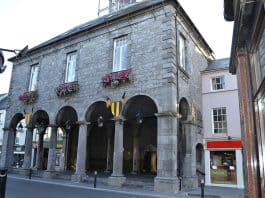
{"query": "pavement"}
(210, 191)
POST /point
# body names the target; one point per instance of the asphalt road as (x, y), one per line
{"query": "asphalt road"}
(18, 188)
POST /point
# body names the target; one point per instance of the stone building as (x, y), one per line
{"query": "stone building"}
(123, 92)
(221, 123)
(248, 63)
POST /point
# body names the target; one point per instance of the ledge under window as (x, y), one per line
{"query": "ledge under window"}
(114, 79)
(67, 89)
(28, 97)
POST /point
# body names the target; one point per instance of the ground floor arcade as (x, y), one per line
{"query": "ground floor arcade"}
(141, 140)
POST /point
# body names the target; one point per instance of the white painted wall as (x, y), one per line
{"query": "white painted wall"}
(227, 97)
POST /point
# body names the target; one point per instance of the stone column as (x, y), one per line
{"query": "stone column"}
(52, 149)
(80, 172)
(166, 179)
(190, 179)
(64, 152)
(28, 148)
(39, 164)
(109, 149)
(7, 153)
(117, 178)
(136, 150)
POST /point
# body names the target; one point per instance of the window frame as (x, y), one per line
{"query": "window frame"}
(222, 83)
(67, 67)
(120, 67)
(33, 75)
(222, 121)
(182, 50)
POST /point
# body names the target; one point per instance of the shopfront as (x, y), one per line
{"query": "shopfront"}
(223, 163)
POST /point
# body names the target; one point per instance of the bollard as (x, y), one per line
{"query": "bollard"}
(202, 188)
(3, 176)
(30, 173)
(95, 179)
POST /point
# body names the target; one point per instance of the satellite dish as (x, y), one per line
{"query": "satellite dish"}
(2, 60)
(23, 51)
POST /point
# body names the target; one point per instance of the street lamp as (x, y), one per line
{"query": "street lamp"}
(15, 51)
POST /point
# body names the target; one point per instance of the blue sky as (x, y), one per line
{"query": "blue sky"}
(30, 22)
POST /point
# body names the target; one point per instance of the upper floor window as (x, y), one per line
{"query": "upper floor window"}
(218, 83)
(70, 74)
(33, 77)
(219, 120)
(120, 54)
(182, 52)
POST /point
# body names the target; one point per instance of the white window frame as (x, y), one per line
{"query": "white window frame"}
(182, 51)
(221, 120)
(71, 64)
(34, 73)
(120, 54)
(221, 84)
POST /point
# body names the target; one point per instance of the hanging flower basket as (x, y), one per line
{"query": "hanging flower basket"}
(114, 79)
(28, 97)
(67, 89)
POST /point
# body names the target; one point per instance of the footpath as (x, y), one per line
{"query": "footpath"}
(210, 192)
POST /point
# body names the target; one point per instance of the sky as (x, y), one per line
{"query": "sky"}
(31, 22)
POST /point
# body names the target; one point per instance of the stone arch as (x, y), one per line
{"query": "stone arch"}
(184, 109)
(199, 153)
(100, 143)
(40, 122)
(17, 131)
(15, 120)
(140, 135)
(66, 119)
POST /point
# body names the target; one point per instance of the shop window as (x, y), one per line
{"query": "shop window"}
(219, 120)
(223, 167)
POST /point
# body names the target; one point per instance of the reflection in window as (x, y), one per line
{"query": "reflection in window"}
(120, 54)
(223, 167)
(33, 78)
(219, 120)
(70, 74)
(218, 83)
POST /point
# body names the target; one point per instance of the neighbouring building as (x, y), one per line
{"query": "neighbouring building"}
(248, 63)
(3, 107)
(221, 125)
(120, 94)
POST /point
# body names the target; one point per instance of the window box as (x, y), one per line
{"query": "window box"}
(116, 78)
(28, 97)
(67, 89)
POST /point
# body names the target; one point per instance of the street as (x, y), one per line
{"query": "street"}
(23, 188)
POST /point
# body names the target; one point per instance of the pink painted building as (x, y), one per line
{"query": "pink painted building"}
(221, 126)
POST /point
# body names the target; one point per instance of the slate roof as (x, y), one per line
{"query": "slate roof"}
(218, 64)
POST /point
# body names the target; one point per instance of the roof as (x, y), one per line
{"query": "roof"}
(218, 64)
(2, 97)
(112, 17)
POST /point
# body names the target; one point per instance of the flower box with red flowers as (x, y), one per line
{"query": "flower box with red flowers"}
(115, 78)
(67, 89)
(28, 97)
